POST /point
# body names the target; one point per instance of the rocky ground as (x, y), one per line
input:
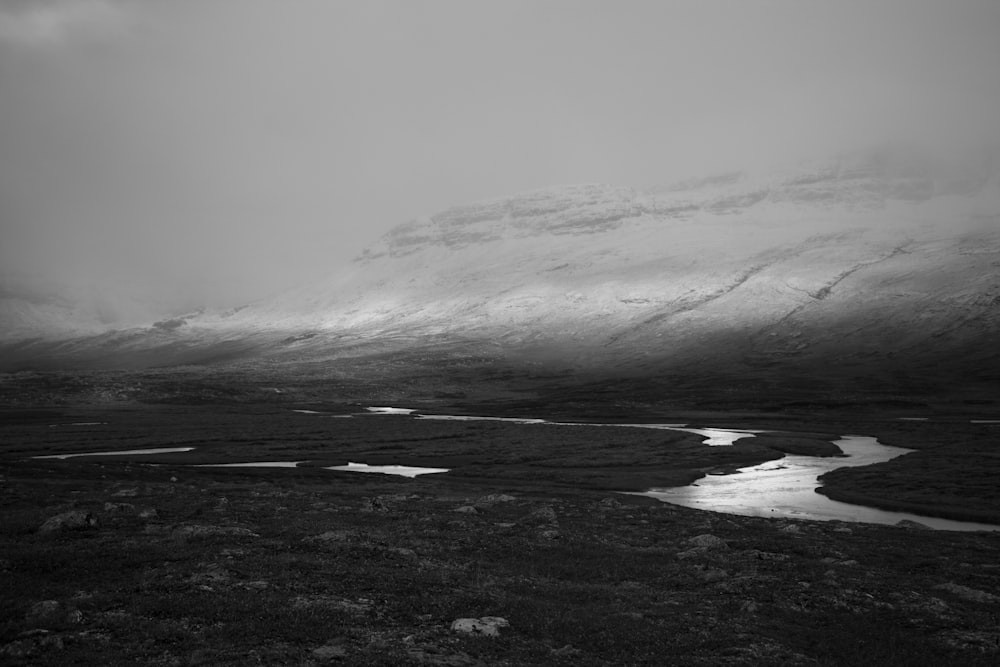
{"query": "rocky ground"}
(114, 562)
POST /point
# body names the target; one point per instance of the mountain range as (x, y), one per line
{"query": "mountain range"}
(880, 269)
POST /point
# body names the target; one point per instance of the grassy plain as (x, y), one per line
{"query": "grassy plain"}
(206, 566)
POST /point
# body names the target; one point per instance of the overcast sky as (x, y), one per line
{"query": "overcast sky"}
(232, 146)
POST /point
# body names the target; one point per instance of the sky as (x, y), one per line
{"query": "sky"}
(223, 149)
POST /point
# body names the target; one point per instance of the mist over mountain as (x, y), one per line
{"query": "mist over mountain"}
(878, 267)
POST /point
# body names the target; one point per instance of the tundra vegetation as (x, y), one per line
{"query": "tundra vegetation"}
(524, 553)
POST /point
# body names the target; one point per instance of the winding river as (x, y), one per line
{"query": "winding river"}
(783, 488)
(786, 488)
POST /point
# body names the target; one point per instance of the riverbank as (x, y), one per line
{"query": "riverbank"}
(845, 495)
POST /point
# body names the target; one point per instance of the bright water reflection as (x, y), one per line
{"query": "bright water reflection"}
(782, 488)
(785, 488)
(714, 437)
(405, 471)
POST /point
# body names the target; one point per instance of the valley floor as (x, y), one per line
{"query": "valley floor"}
(176, 565)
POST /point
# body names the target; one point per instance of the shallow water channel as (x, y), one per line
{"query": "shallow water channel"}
(783, 488)
(786, 488)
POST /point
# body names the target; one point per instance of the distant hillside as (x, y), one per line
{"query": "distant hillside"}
(871, 266)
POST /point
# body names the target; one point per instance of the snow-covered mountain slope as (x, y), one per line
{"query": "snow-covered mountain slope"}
(35, 307)
(871, 260)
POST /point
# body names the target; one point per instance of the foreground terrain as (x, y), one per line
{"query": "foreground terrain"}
(177, 565)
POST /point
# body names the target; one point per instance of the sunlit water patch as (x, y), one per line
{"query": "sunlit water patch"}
(714, 437)
(390, 411)
(783, 488)
(404, 471)
(786, 488)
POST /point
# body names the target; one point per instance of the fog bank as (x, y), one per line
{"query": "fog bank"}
(225, 149)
